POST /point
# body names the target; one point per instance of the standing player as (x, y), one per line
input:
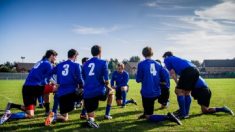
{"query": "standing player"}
(69, 78)
(34, 86)
(165, 88)
(188, 77)
(149, 74)
(121, 78)
(96, 83)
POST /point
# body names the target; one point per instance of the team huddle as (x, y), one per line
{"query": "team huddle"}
(87, 84)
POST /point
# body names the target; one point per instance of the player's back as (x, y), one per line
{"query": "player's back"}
(68, 77)
(95, 74)
(149, 75)
(39, 73)
(178, 64)
(201, 83)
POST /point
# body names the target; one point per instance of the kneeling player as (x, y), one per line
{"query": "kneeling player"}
(95, 88)
(149, 74)
(69, 77)
(121, 78)
(202, 94)
(34, 87)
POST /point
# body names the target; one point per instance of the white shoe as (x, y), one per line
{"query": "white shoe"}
(5, 117)
(108, 117)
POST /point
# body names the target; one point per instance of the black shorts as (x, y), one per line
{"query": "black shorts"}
(148, 104)
(67, 102)
(31, 93)
(91, 104)
(118, 94)
(164, 97)
(188, 79)
(202, 95)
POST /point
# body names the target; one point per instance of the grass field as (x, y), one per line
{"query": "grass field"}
(125, 119)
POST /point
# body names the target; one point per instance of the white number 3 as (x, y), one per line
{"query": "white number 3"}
(92, 66)
(153, 70)
(65, 72)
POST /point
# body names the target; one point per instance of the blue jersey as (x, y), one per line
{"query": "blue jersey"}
(149, 73)
(120, 79)
(201, 83)
(39, 74)
(69, 77)
(165, 78)
(177, 64)
(95, 74)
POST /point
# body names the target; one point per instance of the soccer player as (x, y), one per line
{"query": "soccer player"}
(34, 86)
(165, 88)
(189, 75)
(202, 94)
(83, 114)
(96, 86)
(69, 78)
(149, 74)
(120, 77)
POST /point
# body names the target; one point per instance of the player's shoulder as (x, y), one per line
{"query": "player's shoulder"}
(125, 72)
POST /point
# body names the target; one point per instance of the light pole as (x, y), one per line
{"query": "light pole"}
(22, 57)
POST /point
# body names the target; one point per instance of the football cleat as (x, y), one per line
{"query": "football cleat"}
(141, 117)
(5, 117)
(133, 101)
(172, 117)
(228, 110)
(108, 117)
(92, 124)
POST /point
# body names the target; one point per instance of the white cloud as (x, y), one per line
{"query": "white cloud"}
(151, 4)
(94, 30)
(225, 10)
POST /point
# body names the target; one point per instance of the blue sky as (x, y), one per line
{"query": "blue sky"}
(192, 29)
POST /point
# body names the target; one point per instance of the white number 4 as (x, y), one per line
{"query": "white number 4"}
(153, 70)
(92, 66)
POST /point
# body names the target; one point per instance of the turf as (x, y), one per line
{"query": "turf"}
(125, 119)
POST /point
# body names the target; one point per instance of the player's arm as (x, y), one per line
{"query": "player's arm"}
(126, 79)
(112, 81)
(139, 75)
(79, 77)
(173, 75)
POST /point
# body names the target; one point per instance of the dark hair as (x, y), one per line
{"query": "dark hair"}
(95, 50)
(158, 61)
(84, 60)
(121, 65)
(147, 52)
(167, 54)
(49, 53)
(72, 52)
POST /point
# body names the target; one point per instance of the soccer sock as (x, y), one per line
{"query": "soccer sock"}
(15, 106)
(188, 101)
(56, 104)
(83, 111)
(19, 115)
(181, 102)
(40, 100)
(221, 109)
(47, 107)
(157, 118)
(129, 101)
(108, 107)
(123, 98)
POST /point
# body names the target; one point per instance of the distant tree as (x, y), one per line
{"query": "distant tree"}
(125, 61)
(112, 64)
(8, 67)
(196, 63)
(134, 59)
(4, 68)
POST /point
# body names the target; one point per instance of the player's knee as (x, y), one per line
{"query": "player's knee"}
(124, 88)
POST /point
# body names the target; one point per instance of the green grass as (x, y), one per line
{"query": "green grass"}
(126, 119)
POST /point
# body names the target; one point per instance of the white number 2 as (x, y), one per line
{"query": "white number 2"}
(153, 70)
(92, 66)
(65, 72)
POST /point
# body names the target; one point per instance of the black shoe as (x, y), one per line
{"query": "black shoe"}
(172, 117)
(8, 107)
(228, 110)
(141, 117)
(133, 101)
(92, 124)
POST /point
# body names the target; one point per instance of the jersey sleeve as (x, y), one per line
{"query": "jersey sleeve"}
(48, 72)
(105, 71)
(139, 75)
(126, 78)
(112, 79)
